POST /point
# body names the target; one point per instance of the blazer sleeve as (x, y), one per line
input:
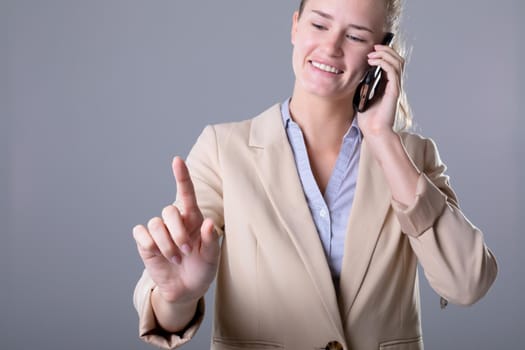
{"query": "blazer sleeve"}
(204, 170)
(149, 329)
(451, 250)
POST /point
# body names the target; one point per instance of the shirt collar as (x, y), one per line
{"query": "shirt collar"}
(285, 113)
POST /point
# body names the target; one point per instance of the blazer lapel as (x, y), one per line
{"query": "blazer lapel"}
(370, 206)
(275, 163)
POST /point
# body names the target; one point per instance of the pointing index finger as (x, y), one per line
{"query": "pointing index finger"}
(185, 190)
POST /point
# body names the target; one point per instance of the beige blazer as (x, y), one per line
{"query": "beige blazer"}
(274, 288)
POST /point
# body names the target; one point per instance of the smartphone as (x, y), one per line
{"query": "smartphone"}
(366, 89)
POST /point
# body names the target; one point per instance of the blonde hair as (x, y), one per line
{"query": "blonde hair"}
(394, 9)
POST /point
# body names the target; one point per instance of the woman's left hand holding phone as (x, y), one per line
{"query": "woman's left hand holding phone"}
(379, 118)
(377, 122)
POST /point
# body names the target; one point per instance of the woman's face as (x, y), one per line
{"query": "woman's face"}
(331, 41)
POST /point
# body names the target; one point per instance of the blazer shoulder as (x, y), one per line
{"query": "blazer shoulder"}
(224, 129)
(244, 130)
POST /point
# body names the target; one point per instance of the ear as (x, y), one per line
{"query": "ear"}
(295, 19)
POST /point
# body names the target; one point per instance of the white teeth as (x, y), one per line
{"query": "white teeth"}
(326, 68)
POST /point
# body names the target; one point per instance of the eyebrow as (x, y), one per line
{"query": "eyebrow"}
(330, 17)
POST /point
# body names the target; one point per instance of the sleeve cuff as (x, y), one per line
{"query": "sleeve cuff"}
(152, 333)
(421, 215)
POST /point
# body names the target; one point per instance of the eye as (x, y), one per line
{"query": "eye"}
(318, 26)
(355, 38)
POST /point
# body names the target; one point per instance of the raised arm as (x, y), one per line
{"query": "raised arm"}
(180, 251)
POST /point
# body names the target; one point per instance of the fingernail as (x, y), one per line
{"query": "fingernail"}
(186, 249)
(176, 260)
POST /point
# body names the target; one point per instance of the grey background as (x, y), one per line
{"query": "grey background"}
(96, 97)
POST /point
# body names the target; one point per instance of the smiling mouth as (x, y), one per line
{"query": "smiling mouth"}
(326, 68)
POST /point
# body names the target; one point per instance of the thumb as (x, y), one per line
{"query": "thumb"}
(209, 242)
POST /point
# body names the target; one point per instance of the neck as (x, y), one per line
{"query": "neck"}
(323, 121)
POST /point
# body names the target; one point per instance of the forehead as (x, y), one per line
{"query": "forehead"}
(369, 13)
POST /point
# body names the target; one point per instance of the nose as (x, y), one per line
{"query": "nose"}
(333, 44)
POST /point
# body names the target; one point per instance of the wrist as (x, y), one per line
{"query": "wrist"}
(383, 142)
(172, 316)
(398, 169)
(179, 303)
(380, 132)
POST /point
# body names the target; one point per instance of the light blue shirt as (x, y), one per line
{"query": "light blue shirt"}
(331, 211)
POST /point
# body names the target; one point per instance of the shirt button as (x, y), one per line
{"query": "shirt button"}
(323, 213)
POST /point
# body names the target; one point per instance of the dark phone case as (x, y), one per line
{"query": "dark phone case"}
(366, 89)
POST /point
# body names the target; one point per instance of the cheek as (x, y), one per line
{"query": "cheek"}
(300, 53)
(297, 59)
(358, 64)
(359, 60)
(304, 42)
(357, 69)
(363, 65)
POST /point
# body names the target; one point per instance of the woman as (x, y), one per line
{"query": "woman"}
(324, 212)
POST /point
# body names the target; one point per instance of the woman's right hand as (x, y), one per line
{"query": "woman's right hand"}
(180, 250)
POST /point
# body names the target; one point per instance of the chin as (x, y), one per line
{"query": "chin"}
(328, 94)
(321, 89)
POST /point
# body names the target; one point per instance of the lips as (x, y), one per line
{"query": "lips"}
(326, 68)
